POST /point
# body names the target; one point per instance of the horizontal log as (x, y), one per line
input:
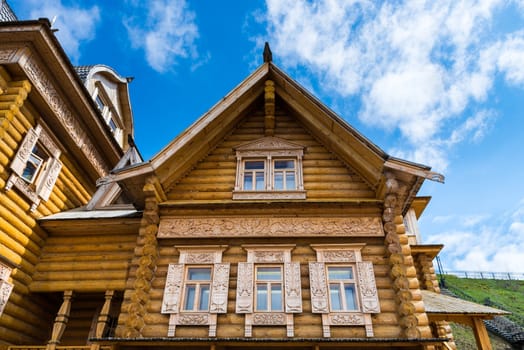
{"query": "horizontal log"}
(94, 285)
(79, 275)
(102, 266)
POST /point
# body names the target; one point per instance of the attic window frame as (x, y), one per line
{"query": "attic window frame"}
(269, 156)
(108, 111)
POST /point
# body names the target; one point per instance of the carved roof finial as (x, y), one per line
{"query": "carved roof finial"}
(268, 56)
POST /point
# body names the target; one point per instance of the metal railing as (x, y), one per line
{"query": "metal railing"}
(487, 275)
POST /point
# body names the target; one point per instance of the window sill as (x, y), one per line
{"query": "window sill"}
(263, 195)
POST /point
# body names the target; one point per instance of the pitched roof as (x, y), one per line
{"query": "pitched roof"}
(6, 13)
(83, 72)
(436, 303)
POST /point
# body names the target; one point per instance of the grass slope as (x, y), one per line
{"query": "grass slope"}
(508, 295)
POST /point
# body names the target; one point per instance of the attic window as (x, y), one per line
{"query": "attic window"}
(269, 168)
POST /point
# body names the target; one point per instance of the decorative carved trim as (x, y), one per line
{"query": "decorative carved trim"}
(343, 319)
(258, 195)
(339, 256)
(63, 112)
(318, 288)
(220, 288)
(293, 288)
(367, 287)
(270, 227)
(205, 254)
(269, 144)
(245, 276)
(172, 290)
(5, 291)
(269, 319)
(5, 272)
(193, 319)
(7, 55)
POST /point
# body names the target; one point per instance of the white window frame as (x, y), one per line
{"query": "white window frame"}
(40, 186)
(269, 150)
(177, 279)
(198, 285)
(268, 256)
(105, 106)
(269, 284)
(332, 255)
(342, 283)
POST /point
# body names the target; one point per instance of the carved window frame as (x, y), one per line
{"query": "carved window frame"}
(107, 109)
(172, 304)
(270, 256)
(366, 289)
(5, 287)
(42, 185)
(269, 150)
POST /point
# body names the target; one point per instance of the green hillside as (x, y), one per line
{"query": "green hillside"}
(502, 294)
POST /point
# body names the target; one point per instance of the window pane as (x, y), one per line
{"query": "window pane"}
(276, 297)
(199, 274)
(261, 297)
(284, 164)
(269, 274)
(248, 181)
(290, 181)
(254, 165)
(204, 297)
(260, 185)
(349, 292)
(279, 180)
(334, 296)
(190, 297)
(340, 273)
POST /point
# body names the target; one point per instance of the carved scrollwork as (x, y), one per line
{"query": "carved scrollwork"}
(269, 319)
(339, 256)
(293, 287)
(244, 303)
(172, 289)
(5, 292)
(268, 256)
(270, 227)
(318, 286)
(220, 288)
(346, 319)
(193, 319)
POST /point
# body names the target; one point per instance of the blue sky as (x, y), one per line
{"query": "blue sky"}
(435, 82)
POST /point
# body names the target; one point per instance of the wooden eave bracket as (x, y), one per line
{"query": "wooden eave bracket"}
(413, 169)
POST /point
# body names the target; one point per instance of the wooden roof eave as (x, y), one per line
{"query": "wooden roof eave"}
(352, 147)
(173, 161)
(34, 40)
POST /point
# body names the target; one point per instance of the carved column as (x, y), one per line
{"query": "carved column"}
(146, 259)
(14, 94)
(103, 317)
(61, 321)
(412, 316)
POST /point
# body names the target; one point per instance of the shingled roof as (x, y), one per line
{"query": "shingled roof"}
(6, 13)
(442, 304)
(83, 71)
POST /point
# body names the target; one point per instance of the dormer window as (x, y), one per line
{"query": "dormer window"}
(108, 112)
(269, 168)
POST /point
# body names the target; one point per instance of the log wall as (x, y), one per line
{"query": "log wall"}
(25, 318)
(307, 324)
(325, 176)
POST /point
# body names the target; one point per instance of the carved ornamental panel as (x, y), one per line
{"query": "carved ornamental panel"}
(175, 227)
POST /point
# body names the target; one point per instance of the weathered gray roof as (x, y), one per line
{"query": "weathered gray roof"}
(442, 304)
(83, 71)
(6, 13)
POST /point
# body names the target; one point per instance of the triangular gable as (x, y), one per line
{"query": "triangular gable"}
(355, 150)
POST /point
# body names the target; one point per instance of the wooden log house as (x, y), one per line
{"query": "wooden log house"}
(269, 223)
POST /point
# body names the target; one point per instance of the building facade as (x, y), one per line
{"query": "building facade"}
(268, 223)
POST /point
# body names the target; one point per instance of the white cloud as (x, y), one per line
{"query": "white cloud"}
(416, 66)
(75, 24)
(168, 33)
(483, 243)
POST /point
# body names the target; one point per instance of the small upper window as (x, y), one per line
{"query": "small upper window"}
(269, 168)
(34, 164)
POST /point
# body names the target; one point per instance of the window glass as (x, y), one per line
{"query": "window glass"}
(276, 297)
(255, 165)
(199, 273)
(269, 273)
(269, 288)
(197, 289)
(190, 297)
(262, 297)
(35, 161)
(342, 296)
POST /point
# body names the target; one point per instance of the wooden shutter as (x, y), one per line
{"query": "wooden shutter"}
(24, 151)
(244, 302)
(367, 287)
(219, 288)
(318, 287)
(173, 289)
(292, 287)
(48, 179)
